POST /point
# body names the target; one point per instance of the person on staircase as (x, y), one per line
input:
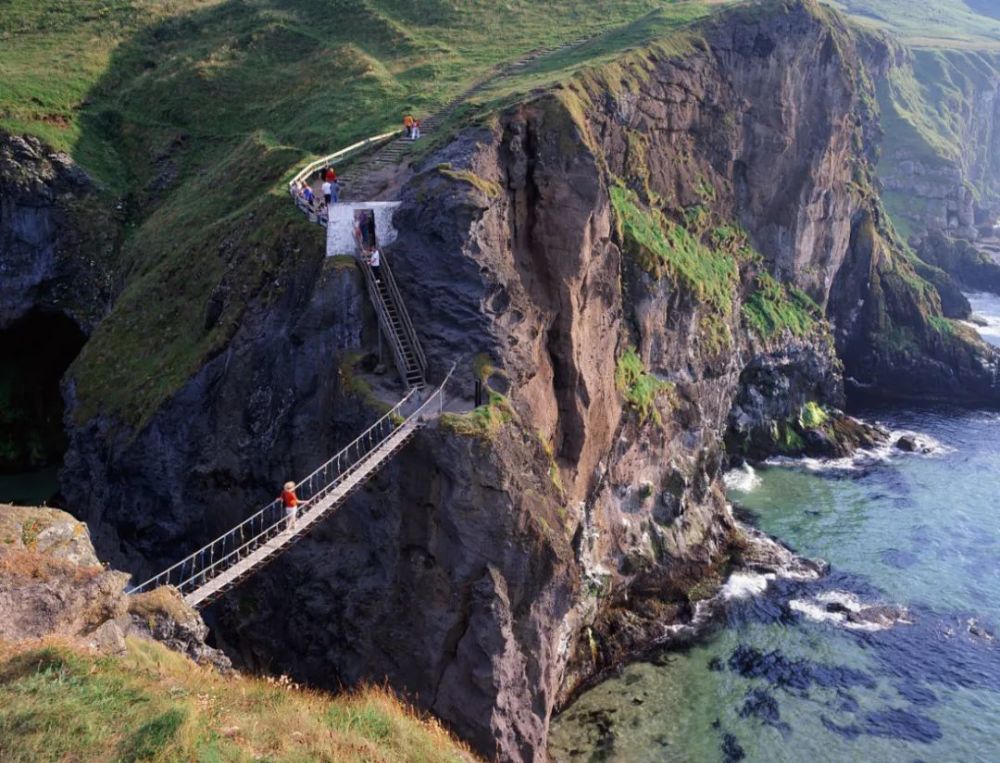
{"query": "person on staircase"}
(375, 263)
(408, 126)
(291, 504)
(415, 130)
(330, 175)
(327, 191)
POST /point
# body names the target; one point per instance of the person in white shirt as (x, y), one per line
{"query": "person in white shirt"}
(327, 191)
(375, 262)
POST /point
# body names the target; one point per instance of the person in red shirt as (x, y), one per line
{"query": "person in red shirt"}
(331, 175)
(291, 503)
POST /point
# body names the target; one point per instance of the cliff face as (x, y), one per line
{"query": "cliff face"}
(638, 263)
(57, 239)
(253, 417)
(568, 527)
(939, 164)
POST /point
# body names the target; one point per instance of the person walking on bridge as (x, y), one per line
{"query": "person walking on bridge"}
(291, 503)
(327, 191)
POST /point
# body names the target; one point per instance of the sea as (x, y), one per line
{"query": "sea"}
(893, 655)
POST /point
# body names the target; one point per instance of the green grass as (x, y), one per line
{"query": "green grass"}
(60, 704)
(773, 308)
(194, 113)
(812, 416)
(639, 387)
(483, 422)
(488, 188)
(942, 23)
(664, 248)
(193, 268)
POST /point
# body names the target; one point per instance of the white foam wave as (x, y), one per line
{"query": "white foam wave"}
(986, 308)
(849, 612)
(743, 479)
(927, 446)
(743, 585)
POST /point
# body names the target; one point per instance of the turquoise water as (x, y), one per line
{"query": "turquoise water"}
(986, 307)
(787, 677)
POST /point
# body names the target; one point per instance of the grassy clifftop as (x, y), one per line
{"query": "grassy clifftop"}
(191, 113)
(60, 703)
(942, 23)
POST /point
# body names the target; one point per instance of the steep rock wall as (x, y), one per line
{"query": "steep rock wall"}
(939, 164)
(58, 237)
(506, 557)
(264, 411)
(565, 530)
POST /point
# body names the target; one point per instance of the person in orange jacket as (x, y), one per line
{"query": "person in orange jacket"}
(408, 126)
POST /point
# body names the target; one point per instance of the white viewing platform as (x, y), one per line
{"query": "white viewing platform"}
(341, 220)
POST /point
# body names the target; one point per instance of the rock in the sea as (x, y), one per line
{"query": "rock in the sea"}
(908, 444)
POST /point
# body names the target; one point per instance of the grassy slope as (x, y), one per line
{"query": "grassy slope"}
(57, 703)
(940, 23)
(955, 50)
(230, 96)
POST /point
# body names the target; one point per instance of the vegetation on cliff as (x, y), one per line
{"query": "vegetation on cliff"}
(639, 387)
(193, 112)
(60, 702)
(773, 308)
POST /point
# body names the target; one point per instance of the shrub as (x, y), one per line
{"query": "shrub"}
(639, 387)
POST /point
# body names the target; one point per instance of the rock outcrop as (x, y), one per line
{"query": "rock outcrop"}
(580, 513)
(57, 237)
(52, 584)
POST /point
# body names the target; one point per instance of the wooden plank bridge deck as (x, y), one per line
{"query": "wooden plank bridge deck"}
(316, 510)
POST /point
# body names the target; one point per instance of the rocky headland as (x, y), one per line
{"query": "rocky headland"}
(658, 265)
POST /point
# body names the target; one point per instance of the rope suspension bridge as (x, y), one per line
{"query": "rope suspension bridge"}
(209, 572)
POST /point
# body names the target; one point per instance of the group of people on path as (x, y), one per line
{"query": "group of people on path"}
(331, 186)
(330, 189)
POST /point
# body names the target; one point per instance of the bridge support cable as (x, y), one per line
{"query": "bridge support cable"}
(206, 574)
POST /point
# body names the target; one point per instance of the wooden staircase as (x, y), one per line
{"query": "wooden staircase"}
(395, 323)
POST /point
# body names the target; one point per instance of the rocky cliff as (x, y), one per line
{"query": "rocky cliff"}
(636, 262)
(53, 584)
(58, 243)
(939, 161)
(655, 256)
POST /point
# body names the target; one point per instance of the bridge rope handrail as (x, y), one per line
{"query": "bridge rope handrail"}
(414, 421)
(235, 541)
